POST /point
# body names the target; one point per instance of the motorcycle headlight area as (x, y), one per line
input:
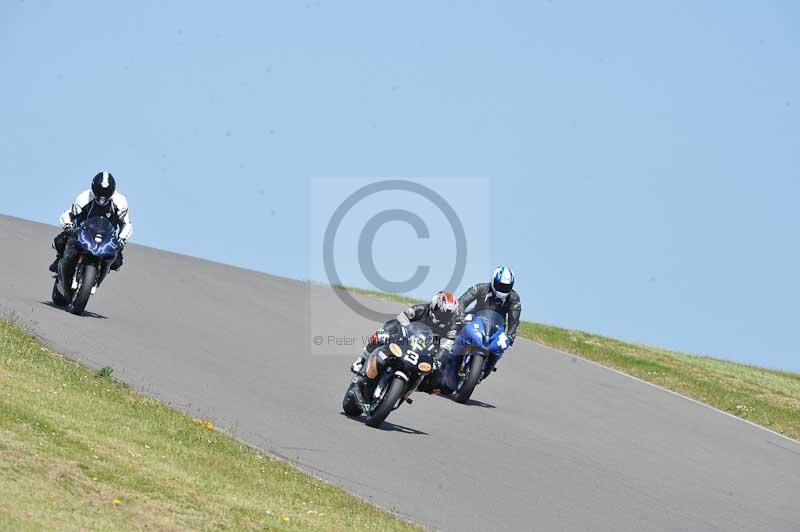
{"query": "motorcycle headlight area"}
(107, 249)
(95, 245)
(395, 350)
(477, 338)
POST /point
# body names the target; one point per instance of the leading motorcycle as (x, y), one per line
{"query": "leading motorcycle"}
(91, 249)
(394, 371)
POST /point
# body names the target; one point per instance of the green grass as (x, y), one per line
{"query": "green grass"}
(397, 298)
(80, 451)
(767, 397)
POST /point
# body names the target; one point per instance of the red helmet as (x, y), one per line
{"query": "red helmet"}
(444, 307)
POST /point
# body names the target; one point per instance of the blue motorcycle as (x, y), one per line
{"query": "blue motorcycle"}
(479, 346)
(91, 250)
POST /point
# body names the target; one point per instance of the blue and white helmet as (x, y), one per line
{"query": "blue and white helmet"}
(502, 282)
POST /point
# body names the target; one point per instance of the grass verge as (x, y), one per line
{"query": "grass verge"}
(767, 397)
(79, 451)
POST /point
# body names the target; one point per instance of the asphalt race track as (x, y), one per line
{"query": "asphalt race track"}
(552, 442)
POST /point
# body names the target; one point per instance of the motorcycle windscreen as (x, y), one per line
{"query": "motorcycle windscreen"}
(419, 336)
(98, 236)
(99, 226)
(492, 321)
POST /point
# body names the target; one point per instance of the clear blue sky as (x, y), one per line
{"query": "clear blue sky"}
(644, 157)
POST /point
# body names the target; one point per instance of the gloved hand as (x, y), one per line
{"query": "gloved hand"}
(379, 337)
(68, 227)
(504, 341)
(122, 243)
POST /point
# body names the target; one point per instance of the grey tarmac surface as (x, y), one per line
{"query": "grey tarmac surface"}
(552, 443)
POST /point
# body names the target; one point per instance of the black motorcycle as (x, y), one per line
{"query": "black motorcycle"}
(91, 249)
(394, 372)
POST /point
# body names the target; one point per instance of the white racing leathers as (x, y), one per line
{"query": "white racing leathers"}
(116, 210)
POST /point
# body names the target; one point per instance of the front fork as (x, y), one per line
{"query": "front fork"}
(458, 371)
(489, 363)
(77, 275)
(365, 384)
(68, 288)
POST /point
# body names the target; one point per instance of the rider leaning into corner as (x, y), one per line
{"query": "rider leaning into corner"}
(102, 200)
(441, 315)
(498, 295)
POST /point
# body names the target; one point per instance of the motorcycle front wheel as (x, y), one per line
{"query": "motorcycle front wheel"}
(471, 380)
(395, 392)
(82, 297)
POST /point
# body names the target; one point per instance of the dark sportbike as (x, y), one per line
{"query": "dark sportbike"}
(407, 358)
(90, 251)
(479, 345)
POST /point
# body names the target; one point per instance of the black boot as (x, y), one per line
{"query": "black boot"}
(491, 366)
(54, 266)
(117, 264)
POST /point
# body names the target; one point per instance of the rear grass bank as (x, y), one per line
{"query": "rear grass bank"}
(81, 451)
(767, 397)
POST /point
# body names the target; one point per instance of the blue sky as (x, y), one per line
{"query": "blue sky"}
(644, 158)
